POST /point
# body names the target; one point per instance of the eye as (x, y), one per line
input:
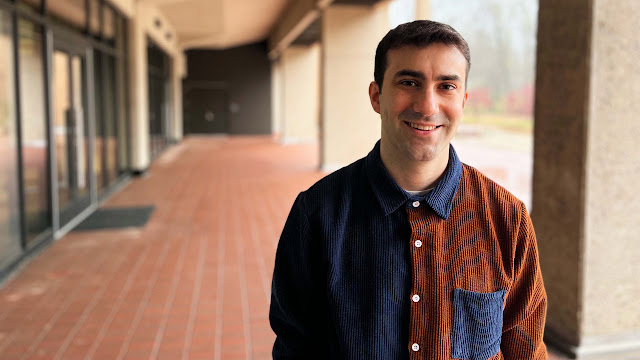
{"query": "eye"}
(448, 86)
(410, 83)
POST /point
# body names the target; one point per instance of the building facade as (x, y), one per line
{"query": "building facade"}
(88, 95)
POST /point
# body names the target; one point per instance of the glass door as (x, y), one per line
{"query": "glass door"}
(71, 132)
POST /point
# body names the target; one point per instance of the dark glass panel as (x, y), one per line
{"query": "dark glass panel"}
(35, 163)
(81, 141)
(110, 126)
(121, 93)
(120, 35)
(158, 105)
(98, 154)
(10, 247)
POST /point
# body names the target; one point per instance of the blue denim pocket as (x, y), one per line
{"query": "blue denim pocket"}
(477, 324)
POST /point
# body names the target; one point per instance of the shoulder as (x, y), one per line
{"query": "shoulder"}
(477, 188)
(340, 184)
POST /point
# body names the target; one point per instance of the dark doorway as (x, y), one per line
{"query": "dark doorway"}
(208, 111)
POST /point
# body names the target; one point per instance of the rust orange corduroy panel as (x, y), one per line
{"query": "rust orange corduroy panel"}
(460, 253)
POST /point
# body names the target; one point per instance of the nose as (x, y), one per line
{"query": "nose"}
(426, 102)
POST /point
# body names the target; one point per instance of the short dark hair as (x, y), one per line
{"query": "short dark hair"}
(420, 33)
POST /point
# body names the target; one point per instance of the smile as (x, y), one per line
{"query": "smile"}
(423, 127)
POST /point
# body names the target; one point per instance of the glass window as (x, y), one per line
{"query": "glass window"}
(123, 142)
(110, 128)
(10, 247)
(121, 93)
(159, 107)
(72, 12)
(61, 112)
(35, 164)
(68, 81)
(80, 131)
(120, 35)
(98, 154)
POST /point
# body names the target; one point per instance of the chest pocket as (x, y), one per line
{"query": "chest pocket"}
(477, 324)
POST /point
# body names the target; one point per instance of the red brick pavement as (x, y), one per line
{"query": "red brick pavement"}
(193, 284)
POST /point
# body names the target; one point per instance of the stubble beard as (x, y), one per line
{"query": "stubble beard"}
(415, 149)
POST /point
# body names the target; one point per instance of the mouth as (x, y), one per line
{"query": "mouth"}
(422, 127)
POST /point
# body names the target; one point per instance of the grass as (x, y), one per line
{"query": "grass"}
(508, 122)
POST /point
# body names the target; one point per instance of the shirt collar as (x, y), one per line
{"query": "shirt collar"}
(391, 196)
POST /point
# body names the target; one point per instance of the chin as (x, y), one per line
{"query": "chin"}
(422, 155)
(428, 154)
(425, 157)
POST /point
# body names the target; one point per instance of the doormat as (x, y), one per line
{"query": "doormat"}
(117, 218)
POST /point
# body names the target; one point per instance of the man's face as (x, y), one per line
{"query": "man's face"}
(421, 101)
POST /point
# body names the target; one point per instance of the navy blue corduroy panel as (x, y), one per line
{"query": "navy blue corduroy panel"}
(477, 324)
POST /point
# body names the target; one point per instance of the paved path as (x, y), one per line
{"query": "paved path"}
(193, 284)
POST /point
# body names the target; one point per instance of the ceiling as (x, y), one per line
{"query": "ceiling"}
(220, 24)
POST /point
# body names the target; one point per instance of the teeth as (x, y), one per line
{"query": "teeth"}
(427, 127)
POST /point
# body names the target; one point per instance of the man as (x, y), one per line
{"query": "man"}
(408, 253)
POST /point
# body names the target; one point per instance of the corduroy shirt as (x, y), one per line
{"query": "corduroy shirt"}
(364, 270)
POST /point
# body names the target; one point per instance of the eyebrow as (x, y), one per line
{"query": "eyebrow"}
(448, 77)
(412, 73)
(420, 75)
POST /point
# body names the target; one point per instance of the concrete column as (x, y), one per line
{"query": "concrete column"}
(300, 67)
(143, 24)
(349, 127)
(423, 9)
(177, 74)
(276, 98)
(140, 156)
(586, 204)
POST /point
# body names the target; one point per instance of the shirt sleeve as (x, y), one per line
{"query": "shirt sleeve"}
(526, 304)
(294, 312)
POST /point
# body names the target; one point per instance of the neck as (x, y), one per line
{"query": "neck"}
(414, 175)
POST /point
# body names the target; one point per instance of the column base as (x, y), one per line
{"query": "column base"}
(610, 347)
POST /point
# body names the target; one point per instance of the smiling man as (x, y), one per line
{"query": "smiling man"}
(408, 253)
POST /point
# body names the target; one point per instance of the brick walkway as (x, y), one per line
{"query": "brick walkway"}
(193, 284)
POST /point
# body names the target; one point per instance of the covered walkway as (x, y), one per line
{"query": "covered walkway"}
(194, 283)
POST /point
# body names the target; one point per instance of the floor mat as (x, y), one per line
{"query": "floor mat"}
(117, 218)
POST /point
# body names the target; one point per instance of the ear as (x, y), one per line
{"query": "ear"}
(464, 101)
(374, 96)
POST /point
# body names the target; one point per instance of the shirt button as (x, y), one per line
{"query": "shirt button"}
(418, 243)
(415, 298)
(415, 347)
(416, 203)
